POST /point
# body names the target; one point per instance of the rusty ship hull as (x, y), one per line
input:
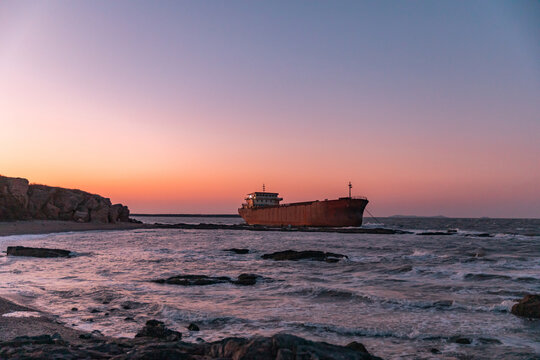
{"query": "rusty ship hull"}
(328, 213)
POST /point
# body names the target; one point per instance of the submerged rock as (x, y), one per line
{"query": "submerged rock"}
(308, 255)
(157, 329)
(529, 307)
(193, 327)
(37, 252)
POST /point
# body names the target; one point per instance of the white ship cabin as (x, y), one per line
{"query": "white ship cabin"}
(257, 199)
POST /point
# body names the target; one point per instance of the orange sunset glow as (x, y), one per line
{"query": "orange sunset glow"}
(168, 116)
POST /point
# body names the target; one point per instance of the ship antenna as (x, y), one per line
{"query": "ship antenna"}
(264, 188)
(350, 187)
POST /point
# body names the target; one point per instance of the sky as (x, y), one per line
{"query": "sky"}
(427, 107)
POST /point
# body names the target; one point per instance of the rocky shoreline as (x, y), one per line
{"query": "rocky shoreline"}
(41, 337)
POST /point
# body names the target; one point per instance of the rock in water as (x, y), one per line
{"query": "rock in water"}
(36, 252)
(299, 255)
(156, 329)
(194, 280)
(246, 279)
(193, 327)
(529, 307)
(238, 251)
(200, 280)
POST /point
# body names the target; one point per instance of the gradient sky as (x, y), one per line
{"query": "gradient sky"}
(428, 107)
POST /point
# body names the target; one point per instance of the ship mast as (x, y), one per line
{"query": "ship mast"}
(350, 187)
(264, 188)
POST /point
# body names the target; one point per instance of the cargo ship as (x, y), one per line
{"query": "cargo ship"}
(264, 208)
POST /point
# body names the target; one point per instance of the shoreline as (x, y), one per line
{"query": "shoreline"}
(11, 327)
(34, 227)
(42, 337)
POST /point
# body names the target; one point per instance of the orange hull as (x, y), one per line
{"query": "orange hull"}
(333, 213)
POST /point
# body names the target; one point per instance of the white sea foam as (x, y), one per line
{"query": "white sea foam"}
(22, 314)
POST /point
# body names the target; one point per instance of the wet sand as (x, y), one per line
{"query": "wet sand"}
(52, 226)
(11, 327)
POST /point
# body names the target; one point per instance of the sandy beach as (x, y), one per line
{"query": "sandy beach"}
(53, 226)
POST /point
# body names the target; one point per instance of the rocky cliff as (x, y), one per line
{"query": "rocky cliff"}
(21, 201)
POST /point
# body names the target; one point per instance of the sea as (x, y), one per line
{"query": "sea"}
(404, 296)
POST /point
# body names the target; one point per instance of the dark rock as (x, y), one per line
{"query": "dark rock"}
(529, 307)
(26, 340)
(246, 227)
(282, 346)
(193, 327)
(36, 252)
(437, 233)
(157, 329)
(277, 347)
(300, 255)
(483, 235)
(247, 279)
(95, 311)
(74, 309)
(194, 280)
(357, 346)
(435, 351)
(200, 280)
(129, 318)
(460, 340)
(238, 251)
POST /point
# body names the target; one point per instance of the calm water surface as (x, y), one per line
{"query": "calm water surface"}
(400, 295)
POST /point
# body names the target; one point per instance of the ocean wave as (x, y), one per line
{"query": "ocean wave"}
(202, 318)
(350, 332)
(485, 277)
(330, 294)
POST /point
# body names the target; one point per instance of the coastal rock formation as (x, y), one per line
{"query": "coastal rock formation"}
(279, 346)
(300, 255)
(529, 307)
(20, 200)
(36, 252)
